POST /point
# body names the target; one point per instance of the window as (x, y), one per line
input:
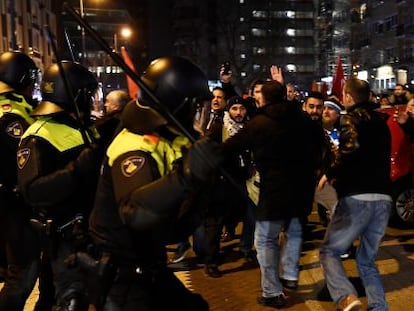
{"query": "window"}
(290, 32)
(259, 14)
(290, 49)
(258, 32)
(291, 68)
(259, 51)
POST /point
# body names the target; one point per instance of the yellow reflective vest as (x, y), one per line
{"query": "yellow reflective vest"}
(163, 151)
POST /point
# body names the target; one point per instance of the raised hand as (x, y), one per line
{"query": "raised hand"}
(277, 74)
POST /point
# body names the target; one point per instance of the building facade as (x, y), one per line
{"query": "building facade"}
(386, 46)
(251, 34)
(22, 28)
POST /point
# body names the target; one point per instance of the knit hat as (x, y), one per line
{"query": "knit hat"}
(331, 104)
(236, 100)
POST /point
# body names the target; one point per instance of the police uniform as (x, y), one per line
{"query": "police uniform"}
(145, 200)
(57, 175)
(15, 226)
(15, 230)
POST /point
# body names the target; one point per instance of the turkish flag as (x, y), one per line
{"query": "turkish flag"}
(132, 86)
(338, 80)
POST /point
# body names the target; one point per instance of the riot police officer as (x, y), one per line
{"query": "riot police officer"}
(148, 187)
(58, 169)
(17, 76)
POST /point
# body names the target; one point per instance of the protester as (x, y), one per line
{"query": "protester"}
(287, 179)
(361, 176)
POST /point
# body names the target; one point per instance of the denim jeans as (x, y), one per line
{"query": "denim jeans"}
(266, 239)
(352, 219)
(290, 250)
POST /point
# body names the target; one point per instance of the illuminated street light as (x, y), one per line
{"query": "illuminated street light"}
(82, 14)
(125, 33)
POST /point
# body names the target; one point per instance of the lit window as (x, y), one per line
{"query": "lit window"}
(243, 74)
(259, 50)
(290, 32)
(259, 14)
(258, 32)
(291, 67)
(242, 37)
(241, 1)
(290, 50)
(242, 19)
(290, 14)
(242, 56)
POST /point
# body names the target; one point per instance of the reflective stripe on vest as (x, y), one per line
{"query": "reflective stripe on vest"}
(21, 109)
(163, 151)
(61, 136)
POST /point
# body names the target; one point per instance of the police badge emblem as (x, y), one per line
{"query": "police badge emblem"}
(22, 157)
(131, 165)
(15, 129)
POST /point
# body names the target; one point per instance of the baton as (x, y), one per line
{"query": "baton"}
(128, 71)
(66, 84)
(143, 87)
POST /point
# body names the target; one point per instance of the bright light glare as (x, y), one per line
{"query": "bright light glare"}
(290, 14)
(126, 32)
(290, 32)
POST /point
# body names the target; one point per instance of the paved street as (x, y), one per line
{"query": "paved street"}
(240, 284)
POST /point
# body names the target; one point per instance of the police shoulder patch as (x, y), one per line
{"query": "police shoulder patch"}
(131, 165)
(15, 129)
(22, 157)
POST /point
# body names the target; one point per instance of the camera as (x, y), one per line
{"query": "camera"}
(226, 66)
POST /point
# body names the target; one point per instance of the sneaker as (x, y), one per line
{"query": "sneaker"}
(212, 271)
(350, 303)
(289, 284)
(274, 302)
(182, 251)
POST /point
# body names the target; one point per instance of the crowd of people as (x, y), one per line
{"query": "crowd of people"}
(96, 202)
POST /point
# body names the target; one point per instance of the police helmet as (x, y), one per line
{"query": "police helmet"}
(17, 71)
(81, 83)
(178, 84)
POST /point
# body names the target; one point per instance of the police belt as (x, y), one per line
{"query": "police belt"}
(48, 227)
(138, 273)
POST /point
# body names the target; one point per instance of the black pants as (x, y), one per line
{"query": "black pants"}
(20, 246)
(159, 292)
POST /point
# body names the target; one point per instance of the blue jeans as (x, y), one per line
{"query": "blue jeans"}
(290, 250)
(352, 219)
(266, 239)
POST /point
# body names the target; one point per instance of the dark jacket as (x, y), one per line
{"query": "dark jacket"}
(286, 146)
(363, 164)
(52, 181)
(136, 208)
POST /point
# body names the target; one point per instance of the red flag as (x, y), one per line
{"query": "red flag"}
(338, 80)
(132, 86)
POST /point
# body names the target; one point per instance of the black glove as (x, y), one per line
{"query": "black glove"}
(202, 159)
(88, 161)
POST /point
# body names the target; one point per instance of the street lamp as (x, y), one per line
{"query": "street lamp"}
(83, 33)
(125, 33)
